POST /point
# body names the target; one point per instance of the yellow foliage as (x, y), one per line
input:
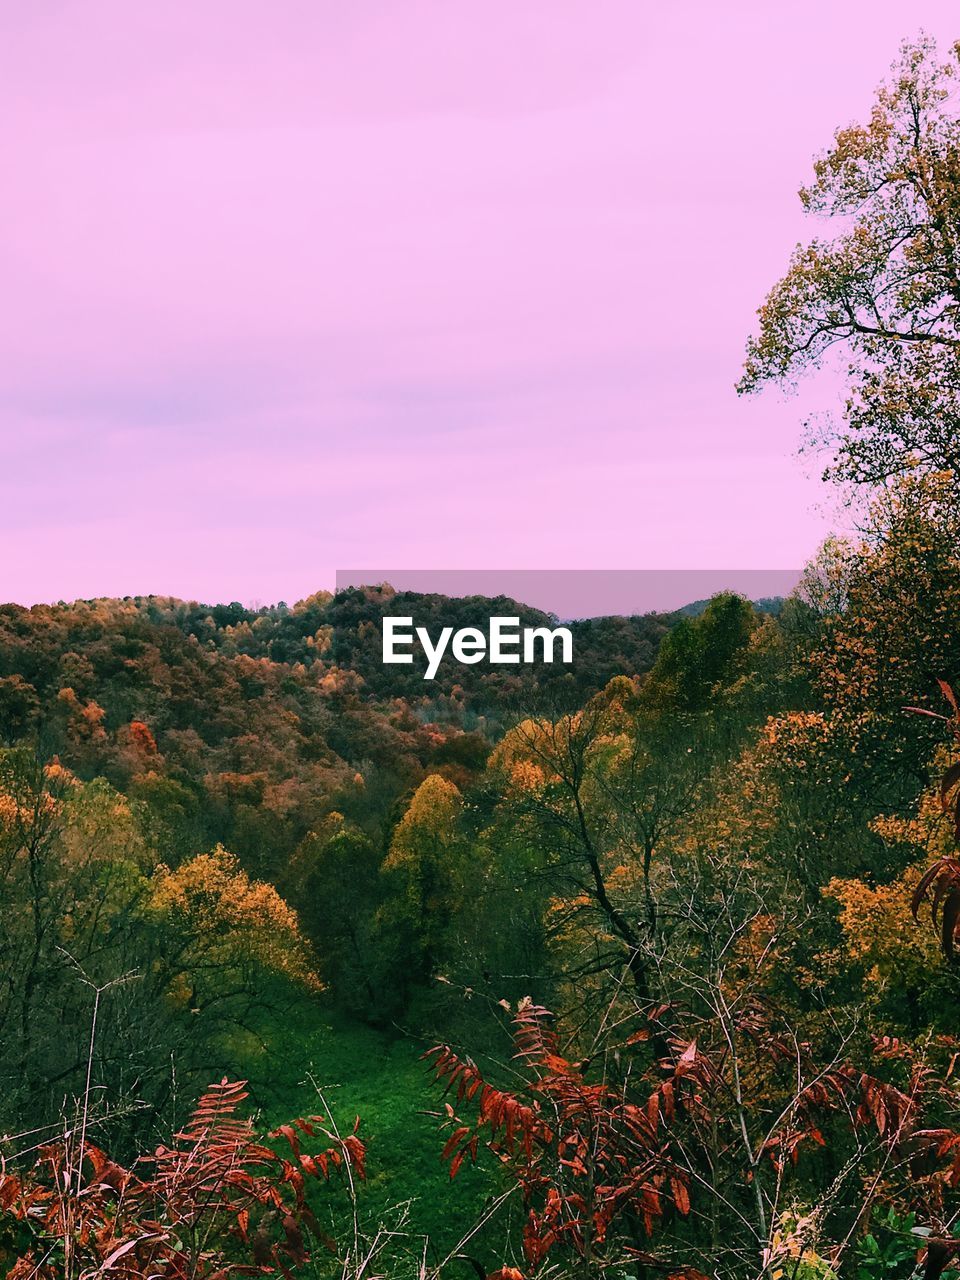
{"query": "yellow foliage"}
(879, 930)
(226, 913)
(59, 776)
(428, 826)
(531, 741)
(99, 825)
(792, 1252)
(525, 775)
(792, 739)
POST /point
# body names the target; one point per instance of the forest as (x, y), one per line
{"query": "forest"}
(645, 966)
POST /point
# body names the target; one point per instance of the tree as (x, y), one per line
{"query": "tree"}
(224, 927)
(596, 795)
(895, 637)
(424, 871)
(71, 882)
(84, 905)
(338, 902)
(886, 288)
(701, 653)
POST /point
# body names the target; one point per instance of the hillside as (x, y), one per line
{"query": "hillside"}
(250, 726)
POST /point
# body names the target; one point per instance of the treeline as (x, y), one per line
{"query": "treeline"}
(343, 631)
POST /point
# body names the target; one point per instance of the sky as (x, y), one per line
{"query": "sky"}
(293, 285)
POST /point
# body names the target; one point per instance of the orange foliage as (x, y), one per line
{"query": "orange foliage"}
(230, 917)
(217, 1202)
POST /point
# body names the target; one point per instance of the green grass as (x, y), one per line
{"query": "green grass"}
(382, 1079)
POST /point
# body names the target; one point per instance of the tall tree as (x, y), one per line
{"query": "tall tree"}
(886, 288)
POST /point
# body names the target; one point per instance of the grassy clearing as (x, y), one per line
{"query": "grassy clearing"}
(380, 1078)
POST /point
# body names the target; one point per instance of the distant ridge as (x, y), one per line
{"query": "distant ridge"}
(766, 604)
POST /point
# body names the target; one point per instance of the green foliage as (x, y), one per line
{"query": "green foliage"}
(339, 895)
(701, 653)
(889, 1249)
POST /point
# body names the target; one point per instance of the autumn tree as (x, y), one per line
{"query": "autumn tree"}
(71, 877)
(597, 796)
(84, 905)
(885, 289)
(225, 927)
(895, 637)
(426, 883)
(903, 981)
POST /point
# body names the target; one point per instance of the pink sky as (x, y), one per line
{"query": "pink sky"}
(297, 284)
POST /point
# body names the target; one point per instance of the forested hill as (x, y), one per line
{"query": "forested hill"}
(603, 648)
(248, 726)
(341, 631)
